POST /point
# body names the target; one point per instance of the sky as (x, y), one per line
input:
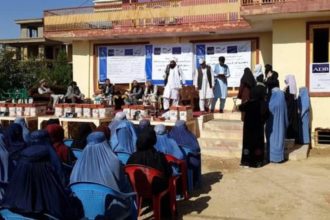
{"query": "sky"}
(12, 10)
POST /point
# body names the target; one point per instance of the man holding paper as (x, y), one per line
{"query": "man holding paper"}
(221, 73)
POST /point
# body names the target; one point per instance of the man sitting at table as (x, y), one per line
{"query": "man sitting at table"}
(43, 89)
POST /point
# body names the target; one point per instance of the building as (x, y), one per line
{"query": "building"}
(292, 35)
(32, 43)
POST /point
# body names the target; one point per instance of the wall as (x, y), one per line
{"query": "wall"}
(289, 56)
(82, 66)
(83, 54)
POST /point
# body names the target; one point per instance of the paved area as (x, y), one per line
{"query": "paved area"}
(291, 190)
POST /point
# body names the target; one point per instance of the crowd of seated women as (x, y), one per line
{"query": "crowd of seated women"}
(33, 180)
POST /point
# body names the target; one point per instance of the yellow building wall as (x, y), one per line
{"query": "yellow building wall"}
(289, 57)
(82, 60)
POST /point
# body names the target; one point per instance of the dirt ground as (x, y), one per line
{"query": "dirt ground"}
(291, 190)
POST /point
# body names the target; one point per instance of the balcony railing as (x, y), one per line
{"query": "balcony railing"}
(142, 15)
(263, 2)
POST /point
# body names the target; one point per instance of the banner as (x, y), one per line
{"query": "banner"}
(164, 53)
(122, 64)
(319, 77)
(236, 53)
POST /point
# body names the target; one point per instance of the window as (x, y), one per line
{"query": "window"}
(321, 45)
(32, 32)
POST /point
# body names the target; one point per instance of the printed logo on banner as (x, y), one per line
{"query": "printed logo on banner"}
(128, 52)
(176, 50)
(321, 68)
(210, 50)
(157, 51)
(111, 52)
(232, 49)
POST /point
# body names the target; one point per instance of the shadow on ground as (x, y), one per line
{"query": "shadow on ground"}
(201, 203)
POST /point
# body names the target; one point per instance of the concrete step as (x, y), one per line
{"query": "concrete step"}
(218, 143)
(221, 134)
(227, 115)
(223, 125)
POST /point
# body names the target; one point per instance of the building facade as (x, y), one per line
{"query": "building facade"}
(292, 35)
(32, 44)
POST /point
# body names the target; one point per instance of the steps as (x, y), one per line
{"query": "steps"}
(222, 136)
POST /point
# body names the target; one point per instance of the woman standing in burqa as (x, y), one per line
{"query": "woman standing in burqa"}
(291, 103)
(256, 114)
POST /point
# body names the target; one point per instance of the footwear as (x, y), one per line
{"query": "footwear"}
(221, 110)
(212, 111)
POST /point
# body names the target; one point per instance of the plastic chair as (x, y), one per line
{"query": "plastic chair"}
(93, 195)
(182, 164)
(193, 173)
(141, 178)
(8, 215)
(68, 142)
(123, 157)
(77, 152)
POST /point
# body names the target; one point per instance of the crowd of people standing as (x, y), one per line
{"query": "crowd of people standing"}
(268, 110)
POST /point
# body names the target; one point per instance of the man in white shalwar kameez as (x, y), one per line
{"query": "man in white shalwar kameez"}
(173, 83)
(221, 73)
(204, 82)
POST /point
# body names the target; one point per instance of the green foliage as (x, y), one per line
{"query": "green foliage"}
(16, 74)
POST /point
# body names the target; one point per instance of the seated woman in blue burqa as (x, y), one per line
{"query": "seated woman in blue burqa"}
(123, 135)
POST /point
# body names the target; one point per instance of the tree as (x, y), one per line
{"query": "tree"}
(62, 70)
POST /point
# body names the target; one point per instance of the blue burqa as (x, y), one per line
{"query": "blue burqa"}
(26, 131)
(276, 126)
(98, 164)
(304, 116)
(123, 137)
(167, 145)
(35, 188)
(14, 140)
(39, 139)
(4, 160)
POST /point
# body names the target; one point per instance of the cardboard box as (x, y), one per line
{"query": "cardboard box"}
(78, 109)
(174, 113)
(185, 113)
(12, 110)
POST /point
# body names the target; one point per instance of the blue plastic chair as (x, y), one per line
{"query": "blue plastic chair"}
(93, 195)
(123, 157)
(68, 142)
(8, 215)
(77, 152)
(192, 170)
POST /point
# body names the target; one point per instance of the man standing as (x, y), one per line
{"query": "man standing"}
(221, 73)
(204, 82)
(173, 83)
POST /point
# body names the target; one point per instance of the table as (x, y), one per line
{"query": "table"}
(64, 121)
(28, 119)
(191, 124)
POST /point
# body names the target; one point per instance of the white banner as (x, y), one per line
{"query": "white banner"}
(319, 77)
(163, 53)
(126, 63)
(237, 55)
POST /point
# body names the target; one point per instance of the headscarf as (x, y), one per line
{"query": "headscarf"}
(184, 137)
(105, 130)
(146, 140)
(53, 121)
(4, 160)
(118, 117)
(14, 140)
(56, 134)
(123, 135)
(290, 81)
(143, 124)
(40, 138)
(98, 164)
(80, 142)
(248, 78)
(26, 132)
(258, 70)
(35, 187)
(165, 144)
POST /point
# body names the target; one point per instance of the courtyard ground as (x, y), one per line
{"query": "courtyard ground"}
(291, 190)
